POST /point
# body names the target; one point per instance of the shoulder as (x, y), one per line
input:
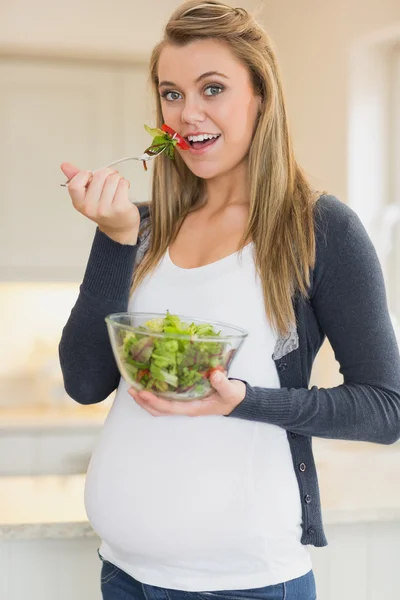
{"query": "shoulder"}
(332, 219)
(335, 222)
(340, 236)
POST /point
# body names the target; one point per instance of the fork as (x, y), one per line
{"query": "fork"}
(143, 157)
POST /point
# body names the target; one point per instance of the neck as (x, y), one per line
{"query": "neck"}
(228, 189)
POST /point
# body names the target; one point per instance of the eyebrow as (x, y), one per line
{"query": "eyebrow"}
(208, 74)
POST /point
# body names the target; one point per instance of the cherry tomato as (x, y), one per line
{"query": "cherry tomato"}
(211, 371)
(142, 373)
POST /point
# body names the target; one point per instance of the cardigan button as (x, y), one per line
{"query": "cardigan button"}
(282, 367)
(311, 531)
(302, 467)
(307, 499)
(293, 435)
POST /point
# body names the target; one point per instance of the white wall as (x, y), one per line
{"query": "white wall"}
(100, 27)
(313, 40)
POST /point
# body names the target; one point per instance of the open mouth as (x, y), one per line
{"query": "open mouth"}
(198, 144)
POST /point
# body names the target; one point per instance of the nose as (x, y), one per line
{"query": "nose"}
(192, 111)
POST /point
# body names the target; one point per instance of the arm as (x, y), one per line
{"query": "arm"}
(349, 301)
(89, 369)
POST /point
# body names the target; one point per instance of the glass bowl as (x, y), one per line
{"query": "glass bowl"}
(172, 355)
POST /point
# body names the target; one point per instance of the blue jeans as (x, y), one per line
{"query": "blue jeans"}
(118, 585)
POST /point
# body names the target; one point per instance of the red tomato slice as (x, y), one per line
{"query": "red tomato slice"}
(211, 371)
(141, 373)
(182, 143)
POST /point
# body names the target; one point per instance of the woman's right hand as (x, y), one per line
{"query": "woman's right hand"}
(102, 197)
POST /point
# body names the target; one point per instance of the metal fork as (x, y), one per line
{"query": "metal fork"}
(142, 157)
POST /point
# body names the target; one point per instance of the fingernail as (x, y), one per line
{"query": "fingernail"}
(217, 377)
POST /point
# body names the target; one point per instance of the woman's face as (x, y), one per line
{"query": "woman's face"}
(205, 89)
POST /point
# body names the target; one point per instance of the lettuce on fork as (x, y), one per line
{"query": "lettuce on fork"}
(164, 140)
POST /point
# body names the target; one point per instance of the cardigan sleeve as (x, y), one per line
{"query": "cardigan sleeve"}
(350, 304)
(89, 370)
(88, 366)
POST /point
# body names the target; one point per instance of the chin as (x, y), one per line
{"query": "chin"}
(206, 170)
(209, 174)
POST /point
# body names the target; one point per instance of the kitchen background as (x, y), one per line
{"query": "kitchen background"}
(73, 87)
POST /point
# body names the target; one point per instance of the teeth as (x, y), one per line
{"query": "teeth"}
(201, 138)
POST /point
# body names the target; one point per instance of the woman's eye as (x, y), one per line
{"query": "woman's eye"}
(167, 94)
(211, 90)
(214, 90)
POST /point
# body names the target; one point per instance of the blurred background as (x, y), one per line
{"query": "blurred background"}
(74, 87)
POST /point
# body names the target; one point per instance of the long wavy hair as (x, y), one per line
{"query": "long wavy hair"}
(281, 212)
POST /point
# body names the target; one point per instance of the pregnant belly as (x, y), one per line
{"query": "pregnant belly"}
(155, 485)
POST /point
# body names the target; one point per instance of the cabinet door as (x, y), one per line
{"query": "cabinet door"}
(47, 452)
(51, 112)
(65, 453)
(18, 453)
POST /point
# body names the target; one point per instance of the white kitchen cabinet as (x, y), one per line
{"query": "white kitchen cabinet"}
(18, 453)
(361, 562)
(85, 113)
(60, 569)
(65, 453)
(46, 452)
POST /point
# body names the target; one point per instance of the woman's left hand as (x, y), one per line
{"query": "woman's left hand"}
(228, 394)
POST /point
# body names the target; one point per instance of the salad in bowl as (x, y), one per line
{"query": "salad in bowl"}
(171, 355)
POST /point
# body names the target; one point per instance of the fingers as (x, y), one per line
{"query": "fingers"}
(144, 404)
(103, 198)
(93, 193)
(159, 407)
(103, 205)
(121, 197)
(69, 170)
(77, 188)
(95, 189)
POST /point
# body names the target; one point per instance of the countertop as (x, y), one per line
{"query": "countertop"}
(359, 482)
(49, 506)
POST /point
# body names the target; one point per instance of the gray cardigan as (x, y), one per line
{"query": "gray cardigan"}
(347, 303)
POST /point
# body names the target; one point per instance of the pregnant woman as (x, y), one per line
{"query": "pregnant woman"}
(218, 498)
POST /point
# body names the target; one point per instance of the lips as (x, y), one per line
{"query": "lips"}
(205, 147)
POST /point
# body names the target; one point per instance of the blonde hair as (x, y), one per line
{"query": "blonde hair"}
(281, 212)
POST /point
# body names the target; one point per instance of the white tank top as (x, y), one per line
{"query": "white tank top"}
(203, 503)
